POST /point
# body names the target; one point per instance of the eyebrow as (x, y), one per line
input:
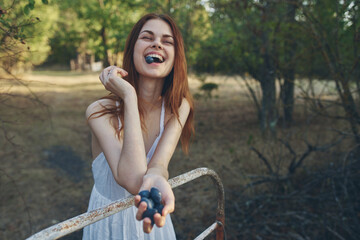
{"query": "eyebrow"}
(150, 32)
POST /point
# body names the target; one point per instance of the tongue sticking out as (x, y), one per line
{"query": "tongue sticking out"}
(149, 59)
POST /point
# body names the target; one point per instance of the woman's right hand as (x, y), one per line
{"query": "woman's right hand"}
(168, 200)
(112, 82)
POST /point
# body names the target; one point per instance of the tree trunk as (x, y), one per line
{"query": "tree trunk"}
(268, 114)
(344, 91)
(358, 88)
(338, 73)
(349, 106)
(288, 97)
(106, 60)
(169, 6)
(356, 42)
(289, 71)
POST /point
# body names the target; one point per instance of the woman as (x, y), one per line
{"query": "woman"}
(136, 128)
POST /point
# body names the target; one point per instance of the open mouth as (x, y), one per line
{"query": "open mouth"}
(154, 58)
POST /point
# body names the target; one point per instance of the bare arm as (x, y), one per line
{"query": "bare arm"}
(168, 142)
(157, 172)
(126, 156)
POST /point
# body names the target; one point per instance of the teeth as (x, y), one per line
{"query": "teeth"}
(156, 56)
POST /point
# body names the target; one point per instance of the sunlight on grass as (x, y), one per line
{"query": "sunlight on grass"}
(61, 73)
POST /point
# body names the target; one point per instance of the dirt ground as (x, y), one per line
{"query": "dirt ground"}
(46, 162)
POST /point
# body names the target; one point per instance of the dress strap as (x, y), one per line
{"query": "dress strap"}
(162, 117)
(153, 147)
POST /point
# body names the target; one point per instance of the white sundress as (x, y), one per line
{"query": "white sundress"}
(122, 225)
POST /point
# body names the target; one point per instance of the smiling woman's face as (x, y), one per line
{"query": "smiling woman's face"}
(155, 40)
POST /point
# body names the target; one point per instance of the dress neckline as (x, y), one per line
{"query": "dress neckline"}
(156, 141)
(150, 153)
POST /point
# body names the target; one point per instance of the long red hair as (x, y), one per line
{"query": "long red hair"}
(175, 85)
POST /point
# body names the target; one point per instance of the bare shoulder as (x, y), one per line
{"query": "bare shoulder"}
(184, 107)
(185, 104)
(184, 110)
(99, 105)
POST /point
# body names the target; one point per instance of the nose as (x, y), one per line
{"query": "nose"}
(157, 44)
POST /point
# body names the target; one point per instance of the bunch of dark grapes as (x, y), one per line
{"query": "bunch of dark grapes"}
(153, 201)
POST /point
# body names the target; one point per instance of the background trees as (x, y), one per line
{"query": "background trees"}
(334, 29)
(100, 27)
(278, 40)
(299, 62)
(24, 33)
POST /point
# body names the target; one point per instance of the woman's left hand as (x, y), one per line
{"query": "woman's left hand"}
(113, 80)
(168, 199)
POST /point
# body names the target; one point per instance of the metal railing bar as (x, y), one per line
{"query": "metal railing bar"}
(220, 211)
(76, 223)
(71, 225)
(206, 233)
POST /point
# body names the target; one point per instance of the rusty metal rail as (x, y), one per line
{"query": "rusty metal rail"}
(71, 225)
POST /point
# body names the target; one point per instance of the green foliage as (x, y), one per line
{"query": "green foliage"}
(103, 26)
(65, 40)
(28, 7)
(221, 36)
(22, 35)
(94, 27)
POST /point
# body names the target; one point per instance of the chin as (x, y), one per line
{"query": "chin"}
(154, 74)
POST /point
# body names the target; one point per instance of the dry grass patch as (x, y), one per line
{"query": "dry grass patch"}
(39, 190)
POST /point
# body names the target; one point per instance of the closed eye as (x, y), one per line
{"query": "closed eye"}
(168, 40)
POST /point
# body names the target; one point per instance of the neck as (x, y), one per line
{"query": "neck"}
(150, 89)
(150, 92)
